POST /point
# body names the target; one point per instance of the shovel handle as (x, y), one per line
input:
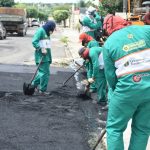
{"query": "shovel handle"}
(99, 139)
(72, 75)
(37, 68)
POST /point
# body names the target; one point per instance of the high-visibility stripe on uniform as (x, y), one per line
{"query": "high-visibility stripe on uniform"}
(132, 63)
(101, 61)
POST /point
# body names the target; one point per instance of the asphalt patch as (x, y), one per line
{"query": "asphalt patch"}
(60, 121)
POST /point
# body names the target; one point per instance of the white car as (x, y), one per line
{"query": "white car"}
(35, 23)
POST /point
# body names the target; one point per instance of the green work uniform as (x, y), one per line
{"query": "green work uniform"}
(127, 70)
(43, 73)
(92, 43)
(97, 73)
(91, 24)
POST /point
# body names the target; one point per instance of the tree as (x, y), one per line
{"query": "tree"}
(110, 6)
(7, 3)
(61, 15)
(82, 3)
(107, 6)
(62, 7)
(32, 13)
(42, 16)
(20, 5)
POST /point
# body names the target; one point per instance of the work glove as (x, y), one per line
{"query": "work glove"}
(85, 82)
(44, 51)
(90, 80)
(87, 85)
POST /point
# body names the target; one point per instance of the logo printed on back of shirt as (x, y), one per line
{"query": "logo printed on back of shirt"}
(136, 78)
(135, 45)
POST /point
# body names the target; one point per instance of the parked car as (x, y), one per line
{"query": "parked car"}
(2, 31)
(35, 23)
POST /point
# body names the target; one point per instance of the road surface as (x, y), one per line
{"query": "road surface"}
(19, 50)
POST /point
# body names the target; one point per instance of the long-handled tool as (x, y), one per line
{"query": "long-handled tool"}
(28, 88)
(99, 139)
(64, 83)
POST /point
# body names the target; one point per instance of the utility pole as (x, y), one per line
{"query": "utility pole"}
(125, 6)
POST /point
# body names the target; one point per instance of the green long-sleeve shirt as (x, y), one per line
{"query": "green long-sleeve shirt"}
(94, 53)
(126, 59)
(38, 36)
(91, 24)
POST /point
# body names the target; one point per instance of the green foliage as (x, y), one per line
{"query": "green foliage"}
(32, 12)
(61, 7)
(60, 15)
(42, 16)
(35, 11)
(20, 5)
(82, 3)
(6, 3)
(89, 3)
(78, 27)
(65, 40)
(110, 6)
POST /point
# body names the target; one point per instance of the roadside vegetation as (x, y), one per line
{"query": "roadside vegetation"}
(61, 12)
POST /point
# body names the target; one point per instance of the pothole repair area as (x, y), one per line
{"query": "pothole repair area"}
(60, 121)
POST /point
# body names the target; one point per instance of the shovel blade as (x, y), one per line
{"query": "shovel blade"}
(28, 89)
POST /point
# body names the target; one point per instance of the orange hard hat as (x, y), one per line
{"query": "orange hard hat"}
(85, 37)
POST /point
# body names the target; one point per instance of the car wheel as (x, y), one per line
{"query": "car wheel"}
(2, 38)
(5, 36)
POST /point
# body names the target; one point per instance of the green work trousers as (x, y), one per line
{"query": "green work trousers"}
(101, 86)
(121, 110)
(42, 76)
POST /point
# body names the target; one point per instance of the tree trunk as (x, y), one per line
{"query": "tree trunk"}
(64, 23)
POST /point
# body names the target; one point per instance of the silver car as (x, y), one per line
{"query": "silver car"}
(35, 23)
(2, 31)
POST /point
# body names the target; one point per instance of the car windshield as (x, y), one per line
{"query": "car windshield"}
(34, 21)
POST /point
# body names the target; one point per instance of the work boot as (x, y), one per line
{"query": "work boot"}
(103, 105)
(105, 108)
(44, 93)
(92, 90)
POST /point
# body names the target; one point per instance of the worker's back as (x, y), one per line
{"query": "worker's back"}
(129, 49)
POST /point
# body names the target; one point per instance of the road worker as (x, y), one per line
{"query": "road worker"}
(91, 22)
(89, 42)
(41, 43)
(127, 69)
(97, 72)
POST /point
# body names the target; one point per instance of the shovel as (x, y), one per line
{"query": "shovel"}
(99, 139)
(64, 83)
(28, 88)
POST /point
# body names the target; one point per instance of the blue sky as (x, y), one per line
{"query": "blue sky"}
(47, 1)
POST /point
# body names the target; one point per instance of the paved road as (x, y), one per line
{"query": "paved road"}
(19, 50)
(60, 121)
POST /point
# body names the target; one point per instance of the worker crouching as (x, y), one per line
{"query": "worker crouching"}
(97, 74)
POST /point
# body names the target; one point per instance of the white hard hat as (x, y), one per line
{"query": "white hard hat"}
(91, 9)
